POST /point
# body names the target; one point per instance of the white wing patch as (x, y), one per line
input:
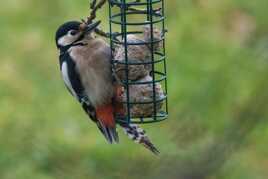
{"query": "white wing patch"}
(65, 76)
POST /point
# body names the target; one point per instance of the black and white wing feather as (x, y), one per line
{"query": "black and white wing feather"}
(71, 77)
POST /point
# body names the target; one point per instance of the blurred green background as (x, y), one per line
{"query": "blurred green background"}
(218, 97)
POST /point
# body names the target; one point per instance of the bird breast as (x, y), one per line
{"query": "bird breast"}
(94, 67)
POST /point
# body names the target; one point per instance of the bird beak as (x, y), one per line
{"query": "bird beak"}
(92, 26)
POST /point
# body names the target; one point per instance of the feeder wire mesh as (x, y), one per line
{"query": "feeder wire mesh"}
(140, 57)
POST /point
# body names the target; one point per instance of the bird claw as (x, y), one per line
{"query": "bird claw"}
(119, 91)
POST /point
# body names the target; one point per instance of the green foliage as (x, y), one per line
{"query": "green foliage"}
(217, 64)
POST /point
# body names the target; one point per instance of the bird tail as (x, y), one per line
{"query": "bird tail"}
(106, 123)
(138, 135)
(109, 133)
(104, 120)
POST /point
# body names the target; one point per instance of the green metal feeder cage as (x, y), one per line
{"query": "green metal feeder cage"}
(129, 17)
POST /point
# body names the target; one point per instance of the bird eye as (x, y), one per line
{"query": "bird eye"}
(73, 32)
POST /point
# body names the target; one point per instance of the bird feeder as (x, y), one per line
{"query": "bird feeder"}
(131, 18)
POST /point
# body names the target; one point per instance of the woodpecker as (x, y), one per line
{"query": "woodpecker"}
(85, 64)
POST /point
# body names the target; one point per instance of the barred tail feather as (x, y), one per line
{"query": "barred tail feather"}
(138, 135)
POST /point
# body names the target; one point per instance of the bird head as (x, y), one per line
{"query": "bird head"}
(73, 31)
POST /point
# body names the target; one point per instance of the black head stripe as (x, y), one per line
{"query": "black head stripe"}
(64, 49)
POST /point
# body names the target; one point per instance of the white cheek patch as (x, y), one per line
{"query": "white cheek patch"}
(68, 39)
(65, 40)
(65, 76)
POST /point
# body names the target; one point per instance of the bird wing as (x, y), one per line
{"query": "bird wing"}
(71, 77)
(73, 83)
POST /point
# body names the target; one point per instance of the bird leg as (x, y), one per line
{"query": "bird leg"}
(118, 106)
